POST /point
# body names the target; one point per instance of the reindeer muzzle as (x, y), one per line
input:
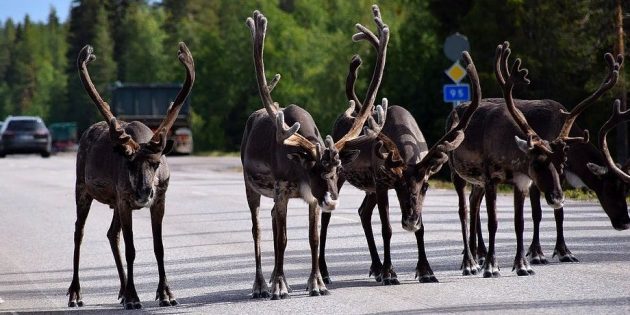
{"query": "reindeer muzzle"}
(329, 204)
(412, 224)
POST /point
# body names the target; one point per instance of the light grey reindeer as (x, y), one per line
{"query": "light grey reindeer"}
(122, 165)
(283, 162)
(398, 159)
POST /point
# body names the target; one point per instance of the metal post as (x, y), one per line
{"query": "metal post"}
(622, 129)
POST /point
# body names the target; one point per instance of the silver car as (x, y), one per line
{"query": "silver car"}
(24, 134)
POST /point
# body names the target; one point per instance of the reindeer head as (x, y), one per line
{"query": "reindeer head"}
(137, 176)
(412, 180)
(322, 164)
(619, 218)
(539, 154)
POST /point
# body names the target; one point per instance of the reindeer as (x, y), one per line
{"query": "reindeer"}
(283, 162)
(608, 188)
(123, 165)
(488, 156)
(398, 159)
(611, 167)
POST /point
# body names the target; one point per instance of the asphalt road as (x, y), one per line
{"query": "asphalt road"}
(210, 261)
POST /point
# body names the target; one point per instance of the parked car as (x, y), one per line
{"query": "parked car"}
(25, 134)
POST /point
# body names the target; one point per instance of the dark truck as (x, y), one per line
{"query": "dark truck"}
(148, 103)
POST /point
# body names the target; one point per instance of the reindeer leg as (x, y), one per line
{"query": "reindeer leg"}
(424, 273)
(113, 234)
(163, 293)
(83, 202)
(389, 275)
(564, 254)
(279, 288)
(260, 289)
(535, 252)
(469, 265)
(315, 285)
(521, 265)
(478, 245)
(490, 266)
(131, 300)
(323, 267)
(365, 213)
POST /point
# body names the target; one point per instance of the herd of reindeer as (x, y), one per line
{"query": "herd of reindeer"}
(375, 148)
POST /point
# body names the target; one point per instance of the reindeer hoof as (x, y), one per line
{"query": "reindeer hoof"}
(78, 303)
(390, 281)
(319, 292)
(133, 306)
(174, 302)
(280, 296)
(523, 272)
(538, 261)
(568, 258)
(261, 295)
(165, 303)
(491, 274)
(326, 280)
(428, 279)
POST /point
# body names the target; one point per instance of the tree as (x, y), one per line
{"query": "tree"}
(143, 56)
(88, 25)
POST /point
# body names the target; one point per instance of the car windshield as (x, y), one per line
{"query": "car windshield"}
(24, 125)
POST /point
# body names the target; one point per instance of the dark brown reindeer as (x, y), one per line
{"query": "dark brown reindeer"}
(578, 170)
(611, 167)
(494, 152)
(283, 162)
(398, 159)
(123, 165)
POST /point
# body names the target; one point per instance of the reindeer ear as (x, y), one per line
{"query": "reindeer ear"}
(437, 163)
(301, 159)
(597, 169)
(169, 147)
(522, 144)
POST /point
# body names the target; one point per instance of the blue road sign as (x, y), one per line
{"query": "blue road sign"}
(456, 93)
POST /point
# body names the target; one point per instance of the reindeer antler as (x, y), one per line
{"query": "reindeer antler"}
(366, 110)
(350, 81)
(617, 117)
(117, 133)
(454, 137)
(507, 79)
(284, 133)
(159, 136)
(608, 82)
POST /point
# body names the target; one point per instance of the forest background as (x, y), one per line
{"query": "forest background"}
(561, 42)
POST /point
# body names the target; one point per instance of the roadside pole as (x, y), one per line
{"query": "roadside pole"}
(456, 93)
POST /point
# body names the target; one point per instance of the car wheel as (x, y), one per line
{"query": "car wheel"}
(45, 154)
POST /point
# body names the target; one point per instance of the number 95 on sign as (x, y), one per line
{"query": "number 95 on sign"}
(456, 93)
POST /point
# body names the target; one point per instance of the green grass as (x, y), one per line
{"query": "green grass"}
(217, 153)
(569, 193)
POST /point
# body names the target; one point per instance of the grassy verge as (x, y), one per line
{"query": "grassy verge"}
(216, 153)
(570, 193)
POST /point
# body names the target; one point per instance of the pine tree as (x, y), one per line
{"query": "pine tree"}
(143, 57)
